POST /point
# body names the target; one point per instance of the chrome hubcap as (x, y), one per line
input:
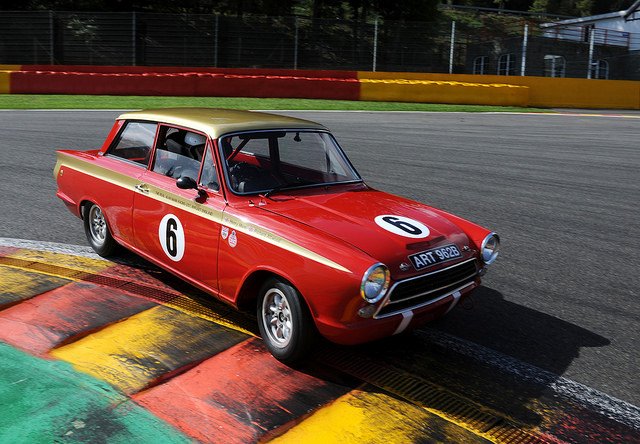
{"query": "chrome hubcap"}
(276, 317)
(97, 225)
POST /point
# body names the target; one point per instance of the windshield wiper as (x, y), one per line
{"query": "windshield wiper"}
(292, 186)
(284, 186)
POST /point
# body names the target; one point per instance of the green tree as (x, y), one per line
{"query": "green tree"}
(409, 10)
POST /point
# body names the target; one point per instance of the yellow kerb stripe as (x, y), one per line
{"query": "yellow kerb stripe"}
(83, 264)
(191, 307)
(111, 354)
(18, 284)
(374, 417)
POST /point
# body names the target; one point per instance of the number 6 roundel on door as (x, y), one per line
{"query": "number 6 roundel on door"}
(402, 226)
(171, 235)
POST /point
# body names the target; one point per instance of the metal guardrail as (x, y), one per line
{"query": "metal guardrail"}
(605, 37)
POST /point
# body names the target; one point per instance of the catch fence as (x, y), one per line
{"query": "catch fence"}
(499, 45)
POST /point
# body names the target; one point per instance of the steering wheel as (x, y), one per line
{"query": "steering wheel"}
(243, 172)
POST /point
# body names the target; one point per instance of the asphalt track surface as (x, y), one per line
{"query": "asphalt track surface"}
(562, 191)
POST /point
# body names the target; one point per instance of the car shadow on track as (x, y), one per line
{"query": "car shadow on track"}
(521, 332)
(503, 356)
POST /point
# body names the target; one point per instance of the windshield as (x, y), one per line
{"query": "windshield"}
(267, 161)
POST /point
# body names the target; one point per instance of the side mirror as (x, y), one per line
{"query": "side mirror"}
(186, 183)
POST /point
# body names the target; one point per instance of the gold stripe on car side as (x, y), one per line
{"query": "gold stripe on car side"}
(267, 236)
(93, 170)
(190, 206)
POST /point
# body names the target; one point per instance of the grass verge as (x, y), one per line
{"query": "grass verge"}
(45, 101)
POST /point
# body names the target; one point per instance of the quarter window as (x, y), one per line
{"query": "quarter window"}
(209, 177)
(134, 142)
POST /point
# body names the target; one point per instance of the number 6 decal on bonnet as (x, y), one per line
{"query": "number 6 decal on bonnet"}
(171, 235)
(402, 226)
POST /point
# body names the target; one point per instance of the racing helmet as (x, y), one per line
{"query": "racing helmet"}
(194, 139)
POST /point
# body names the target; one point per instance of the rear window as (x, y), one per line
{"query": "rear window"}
(134, 142)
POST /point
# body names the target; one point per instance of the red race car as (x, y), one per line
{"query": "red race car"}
(266, 212)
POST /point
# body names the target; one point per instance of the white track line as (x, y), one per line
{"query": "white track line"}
(595, 400)
(53, 247)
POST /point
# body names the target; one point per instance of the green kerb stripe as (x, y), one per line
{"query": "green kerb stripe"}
(48, 401)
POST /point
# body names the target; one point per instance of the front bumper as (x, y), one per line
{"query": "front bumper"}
(366, 330)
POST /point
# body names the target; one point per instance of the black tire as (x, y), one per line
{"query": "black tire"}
(285, 322)
(97, 230)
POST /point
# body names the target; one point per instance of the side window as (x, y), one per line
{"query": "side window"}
(209, 177)
(134, 142)
(178, 152)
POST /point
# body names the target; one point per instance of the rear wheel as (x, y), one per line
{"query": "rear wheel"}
(97, 230)
(285, 322)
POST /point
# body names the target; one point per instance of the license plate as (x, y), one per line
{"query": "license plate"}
(428, 258)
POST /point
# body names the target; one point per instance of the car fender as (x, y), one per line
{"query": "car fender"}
(474, 232)
(311, 262)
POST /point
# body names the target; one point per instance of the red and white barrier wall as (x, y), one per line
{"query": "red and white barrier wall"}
(336, 85)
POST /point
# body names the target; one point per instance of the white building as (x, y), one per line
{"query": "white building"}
(620, 28)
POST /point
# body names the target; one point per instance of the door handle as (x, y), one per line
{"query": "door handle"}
(143, 188)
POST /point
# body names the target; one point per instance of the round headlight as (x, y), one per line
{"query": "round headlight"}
(375, 283)
(490, 247)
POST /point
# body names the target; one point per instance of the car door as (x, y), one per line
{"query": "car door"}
(126, 161)
(179, 228)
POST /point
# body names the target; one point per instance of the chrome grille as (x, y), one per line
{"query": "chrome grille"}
(420, 290)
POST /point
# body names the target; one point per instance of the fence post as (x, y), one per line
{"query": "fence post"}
(52, 39)
(525, 40)
(591, 41)
(452, 47)
(295, 45)
(215, 41)
(375, 44)
(134, 31)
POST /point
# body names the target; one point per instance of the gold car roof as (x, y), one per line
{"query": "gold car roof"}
(216, 121)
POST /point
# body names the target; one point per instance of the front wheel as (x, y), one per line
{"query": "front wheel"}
(97, 230)
(285, 322)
